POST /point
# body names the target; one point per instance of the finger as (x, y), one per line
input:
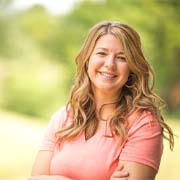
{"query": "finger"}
(119, 179)
(120, 167)
(119, 174)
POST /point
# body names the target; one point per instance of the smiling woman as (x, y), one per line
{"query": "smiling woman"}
(112, 127)
(107, 67)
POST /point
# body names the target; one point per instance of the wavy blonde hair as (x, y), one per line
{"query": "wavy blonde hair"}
(137, 93)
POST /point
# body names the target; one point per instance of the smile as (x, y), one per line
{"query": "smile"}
(107, 75)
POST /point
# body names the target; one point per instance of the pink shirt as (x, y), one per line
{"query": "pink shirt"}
(97, 158)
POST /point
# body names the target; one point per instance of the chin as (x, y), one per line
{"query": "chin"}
(108, 90)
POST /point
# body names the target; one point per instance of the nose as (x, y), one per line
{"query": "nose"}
(110, 62)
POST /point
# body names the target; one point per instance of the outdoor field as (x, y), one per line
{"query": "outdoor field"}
(20, 137)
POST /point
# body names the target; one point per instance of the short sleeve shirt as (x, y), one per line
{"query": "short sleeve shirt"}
(97, 157)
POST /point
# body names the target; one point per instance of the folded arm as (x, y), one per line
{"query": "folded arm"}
(41, 167)
(142, 150)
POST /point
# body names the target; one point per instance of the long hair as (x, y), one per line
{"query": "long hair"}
(137, 93)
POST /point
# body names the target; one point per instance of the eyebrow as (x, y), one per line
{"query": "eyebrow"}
(105, 49)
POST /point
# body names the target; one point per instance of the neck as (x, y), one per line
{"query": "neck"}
(104, 112)
(105, 98)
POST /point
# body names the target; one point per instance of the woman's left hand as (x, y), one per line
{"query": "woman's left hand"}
(119, 173)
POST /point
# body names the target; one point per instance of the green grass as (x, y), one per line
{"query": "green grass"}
(21, 136)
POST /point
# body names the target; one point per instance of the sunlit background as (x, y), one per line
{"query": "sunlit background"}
(39, 40)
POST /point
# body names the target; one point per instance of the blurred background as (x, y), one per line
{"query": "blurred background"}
(38, 44)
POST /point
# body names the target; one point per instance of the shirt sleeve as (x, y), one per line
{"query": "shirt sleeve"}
(144, 143)
(56, 122)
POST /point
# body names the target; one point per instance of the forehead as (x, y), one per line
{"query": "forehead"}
(109, 42)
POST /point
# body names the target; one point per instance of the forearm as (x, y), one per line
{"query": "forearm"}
(46, 177)
(138, 171)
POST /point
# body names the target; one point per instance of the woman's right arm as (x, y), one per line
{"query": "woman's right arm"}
(41, 167)
(42, 162)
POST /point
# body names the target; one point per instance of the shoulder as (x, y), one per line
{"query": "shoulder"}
(59, 113)
(143, 120)
(58, 118)
(144, 141)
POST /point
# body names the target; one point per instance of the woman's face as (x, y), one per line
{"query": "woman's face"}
(107, 67)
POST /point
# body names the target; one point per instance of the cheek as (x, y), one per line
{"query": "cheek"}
(95, 61)
(92, 64)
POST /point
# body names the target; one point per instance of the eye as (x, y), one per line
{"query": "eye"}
(121, 58)
(101, 53)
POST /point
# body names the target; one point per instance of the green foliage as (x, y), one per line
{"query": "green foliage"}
(39, 46)
(34, 90)
(5, 32)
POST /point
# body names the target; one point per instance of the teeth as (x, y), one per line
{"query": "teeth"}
(107, 75)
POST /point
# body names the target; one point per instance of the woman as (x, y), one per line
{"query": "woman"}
(112, 127)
